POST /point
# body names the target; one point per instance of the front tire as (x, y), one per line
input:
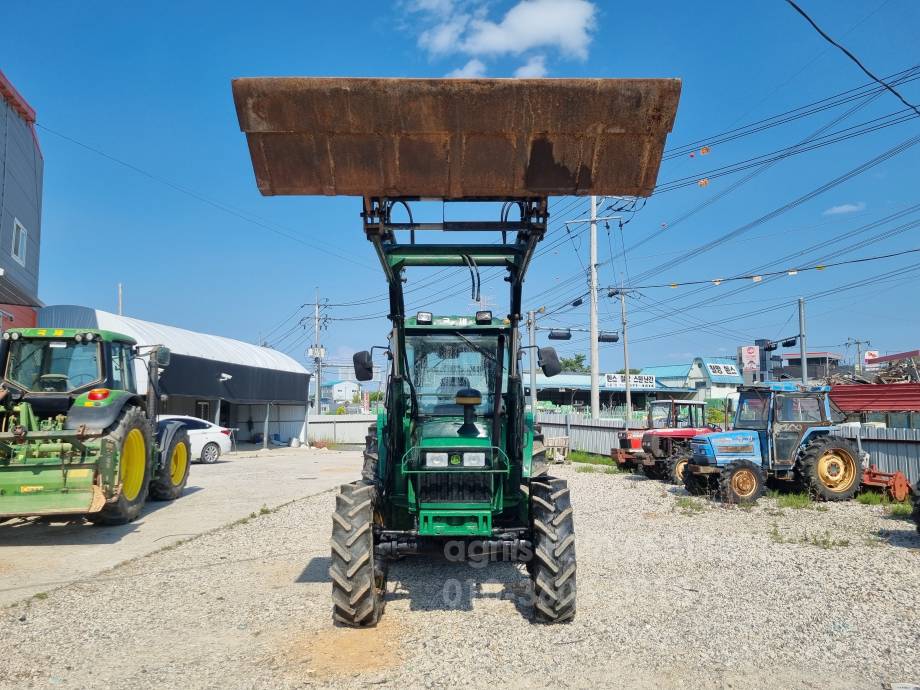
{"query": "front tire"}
(829, 468)
(741, 483)
(677, 466)
(130, 434)
(552, 567)
(915, 515)
(357, 580)
(696, 484)
(170, 481)
(210, 453)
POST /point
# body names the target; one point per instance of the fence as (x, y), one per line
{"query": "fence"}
(347, 429)
(591, 435)
(892, 450)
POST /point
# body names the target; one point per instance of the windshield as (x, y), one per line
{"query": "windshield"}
(440, 365)
(660, 414)
(53, 366)
(753, 410)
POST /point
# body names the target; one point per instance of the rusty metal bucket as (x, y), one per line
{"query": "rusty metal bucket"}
(456, 138)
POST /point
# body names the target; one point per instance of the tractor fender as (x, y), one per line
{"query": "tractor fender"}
(97, 416)
(810, 435)
(166, 430)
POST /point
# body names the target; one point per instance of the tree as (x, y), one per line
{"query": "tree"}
(575, 364)
(376, 396)
(356, 398)
(631, 371)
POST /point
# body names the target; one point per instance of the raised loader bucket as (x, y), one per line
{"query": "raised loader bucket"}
(456, 138)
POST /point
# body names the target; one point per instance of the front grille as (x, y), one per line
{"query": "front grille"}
(454, 487)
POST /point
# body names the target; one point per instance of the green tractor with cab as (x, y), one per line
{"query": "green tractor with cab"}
(76, 437)
(455, 457)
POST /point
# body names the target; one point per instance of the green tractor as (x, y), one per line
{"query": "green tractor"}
(75, 435)
(455, 457)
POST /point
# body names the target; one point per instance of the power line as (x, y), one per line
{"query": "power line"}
(851, 56)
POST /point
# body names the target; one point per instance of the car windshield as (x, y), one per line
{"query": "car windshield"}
(753, 410)
(441, 365)
(53, 366)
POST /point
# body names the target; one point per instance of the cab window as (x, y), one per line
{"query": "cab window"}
(122, 367)
(798, 409)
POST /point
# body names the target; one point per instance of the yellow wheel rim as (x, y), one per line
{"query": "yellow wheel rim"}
(133, 464)
(178, 462)
(837, 470)
(679, 469)
(744, 483)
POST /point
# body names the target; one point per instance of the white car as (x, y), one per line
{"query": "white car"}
(209, 441)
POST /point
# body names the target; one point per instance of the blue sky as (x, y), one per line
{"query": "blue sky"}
(149, 83)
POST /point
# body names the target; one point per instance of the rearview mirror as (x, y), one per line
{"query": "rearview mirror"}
(364, 365)
(548, 361)
(162, 357)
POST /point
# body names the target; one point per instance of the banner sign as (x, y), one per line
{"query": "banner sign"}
(636, 381)
(723, 370)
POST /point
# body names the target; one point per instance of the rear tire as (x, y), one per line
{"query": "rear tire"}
(741, 483)
(830, 469)
(650, 471)
(210, 453)
(130, 434)
(357, 580)
(915, 515)
(552, 567)
(169, 482)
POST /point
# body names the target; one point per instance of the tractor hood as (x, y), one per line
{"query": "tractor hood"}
(444, 433)
(742, 443)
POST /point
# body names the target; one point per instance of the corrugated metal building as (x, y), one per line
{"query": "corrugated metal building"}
(710, 378)
(21, 173)
(227, 381)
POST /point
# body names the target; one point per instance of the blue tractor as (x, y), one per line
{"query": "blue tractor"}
(781, 432)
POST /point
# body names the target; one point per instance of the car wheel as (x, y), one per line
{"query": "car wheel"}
(210, 453)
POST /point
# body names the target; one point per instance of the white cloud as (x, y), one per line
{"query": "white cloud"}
(845, 208)
(562, 24)
(472, 69)
(464, 27)
(534, 68)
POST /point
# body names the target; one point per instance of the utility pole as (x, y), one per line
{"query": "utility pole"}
(803, 359)
(532, 327)
(595, 356)
(317, 352)
(120, 301)
(857, 365)
(626, 357)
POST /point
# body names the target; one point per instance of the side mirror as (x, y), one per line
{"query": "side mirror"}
(364, 365)
(162, 357)
(548, 361)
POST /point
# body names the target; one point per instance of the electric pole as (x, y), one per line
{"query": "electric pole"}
(532, 327)
(317, 353)
(626, 358)
(857, 365)
(803, 358)
(595, 357)
(120, 300)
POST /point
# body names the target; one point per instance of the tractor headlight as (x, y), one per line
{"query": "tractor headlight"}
(474, 459)
(78, 337)
(14, 336)
(435, 459)
(6, 336)
(90, 336)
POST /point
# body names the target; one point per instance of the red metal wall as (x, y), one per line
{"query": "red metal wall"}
(23, 317)
(890, 397)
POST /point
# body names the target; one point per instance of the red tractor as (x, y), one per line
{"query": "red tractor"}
(662, 450)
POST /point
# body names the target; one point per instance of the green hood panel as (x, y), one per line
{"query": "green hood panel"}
(442, 433)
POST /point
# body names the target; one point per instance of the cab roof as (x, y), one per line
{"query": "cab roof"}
(785, 387)
(52, 333)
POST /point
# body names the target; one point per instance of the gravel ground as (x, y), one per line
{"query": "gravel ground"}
(672, 592)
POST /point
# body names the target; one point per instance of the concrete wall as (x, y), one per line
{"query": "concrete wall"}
(21, 170)
(342, 428)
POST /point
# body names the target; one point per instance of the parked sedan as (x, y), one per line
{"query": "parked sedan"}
(208, 440)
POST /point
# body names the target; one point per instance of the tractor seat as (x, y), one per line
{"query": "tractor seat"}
(48, 404)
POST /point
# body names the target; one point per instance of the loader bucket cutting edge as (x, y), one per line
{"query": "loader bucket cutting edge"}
(456, 138)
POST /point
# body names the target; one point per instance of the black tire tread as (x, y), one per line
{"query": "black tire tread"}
(552, 568)
(356, 601)
(161, 486)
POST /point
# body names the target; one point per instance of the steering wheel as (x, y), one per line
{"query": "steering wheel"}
(77, 377)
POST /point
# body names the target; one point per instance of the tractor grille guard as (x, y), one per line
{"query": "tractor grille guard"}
(499, 462)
